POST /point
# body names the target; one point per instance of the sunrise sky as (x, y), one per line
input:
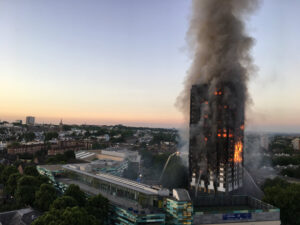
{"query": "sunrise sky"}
(124, 61)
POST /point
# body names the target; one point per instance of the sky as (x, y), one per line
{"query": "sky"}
(124, 62)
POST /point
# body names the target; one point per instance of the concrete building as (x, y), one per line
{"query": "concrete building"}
(216, 155)
(296, 143)
(30, 120)
(112, 162)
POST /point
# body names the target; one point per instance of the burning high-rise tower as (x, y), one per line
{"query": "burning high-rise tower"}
(216, 139)
(215, 92)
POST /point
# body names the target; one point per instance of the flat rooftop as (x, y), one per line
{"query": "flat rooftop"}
(112, 198)
(143, 188)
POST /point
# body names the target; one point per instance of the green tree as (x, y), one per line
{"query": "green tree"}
(29, 136)
(68, 216)
(1, 168)
(286, 197)
(98, 206)
(51, 135)
(31, 171)
(6, 172)
(26, 188)
(69, 155)
(45, 196)
(11, 183)
(75, 192)
(63, 202)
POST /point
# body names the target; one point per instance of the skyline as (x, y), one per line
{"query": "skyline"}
(106, 63)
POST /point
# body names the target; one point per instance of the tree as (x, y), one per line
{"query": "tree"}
(26, 188)
(45, 196)
(75, 192)
(31, 171)
(98, 206)
(6, 172)
(74, 216)
(63, 202)
(11, 183)
(1, 168)
(286, 197)
(51, 135)
(29, 136)
(69, 155)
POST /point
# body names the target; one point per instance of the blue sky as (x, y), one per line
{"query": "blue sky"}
(124, 61)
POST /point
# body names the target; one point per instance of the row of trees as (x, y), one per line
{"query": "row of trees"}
(161, 136)
(32, 189)
(286, 160)
(286, 197)
(291, 172)
(21, 190)
(74, 208)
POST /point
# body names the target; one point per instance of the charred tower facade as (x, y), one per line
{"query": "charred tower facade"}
(216, 138)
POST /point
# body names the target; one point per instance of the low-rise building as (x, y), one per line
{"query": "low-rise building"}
(53, 147)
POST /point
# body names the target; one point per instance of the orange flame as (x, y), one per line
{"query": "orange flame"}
(238, 149)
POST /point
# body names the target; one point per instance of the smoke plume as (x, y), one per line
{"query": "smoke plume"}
(221, 67)
(219, 48)
(220, 51)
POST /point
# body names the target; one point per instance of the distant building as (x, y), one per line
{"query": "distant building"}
(57, 147)
(30, 120)
(296, 143)
(19, 121)
(61, 125)
(3, 145)
(104, 137)
(264, 141)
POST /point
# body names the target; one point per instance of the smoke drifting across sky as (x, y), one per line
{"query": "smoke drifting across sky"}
(220, 50)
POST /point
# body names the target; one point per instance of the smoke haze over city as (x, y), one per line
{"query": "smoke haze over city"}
(132, 70)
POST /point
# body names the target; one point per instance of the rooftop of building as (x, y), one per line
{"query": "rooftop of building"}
(19, 217)
(139, 187)
(181, 194)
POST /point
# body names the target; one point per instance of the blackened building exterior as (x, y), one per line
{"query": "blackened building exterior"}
(216, 140)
